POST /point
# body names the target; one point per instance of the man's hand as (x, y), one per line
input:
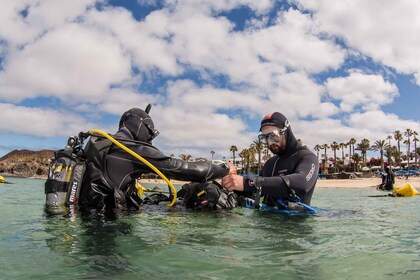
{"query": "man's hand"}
(233, 182)
(232, 168)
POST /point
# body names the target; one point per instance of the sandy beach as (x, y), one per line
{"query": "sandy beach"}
(358, 183)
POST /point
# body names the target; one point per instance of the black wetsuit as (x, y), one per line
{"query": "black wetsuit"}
(292, 173)
(111, 172)
(388, 180)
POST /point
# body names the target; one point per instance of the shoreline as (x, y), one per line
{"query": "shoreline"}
(357, 183)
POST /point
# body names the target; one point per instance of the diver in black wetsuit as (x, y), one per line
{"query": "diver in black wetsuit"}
(111, 172)
(388, 180)
(290, 175)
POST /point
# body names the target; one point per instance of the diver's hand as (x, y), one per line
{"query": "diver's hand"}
(232, 168)
(233, 182)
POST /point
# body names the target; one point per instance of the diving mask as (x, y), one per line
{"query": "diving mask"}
(273, 136)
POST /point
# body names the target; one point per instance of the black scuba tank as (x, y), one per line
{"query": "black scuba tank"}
(65, 176)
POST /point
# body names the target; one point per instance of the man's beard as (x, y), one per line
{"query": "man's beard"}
(278, 147)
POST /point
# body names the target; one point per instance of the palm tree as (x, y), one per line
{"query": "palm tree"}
(352, 141)
(258, 147)
(233, 149)
(356, 157)
(212, 154)
(201, 159)
(408, 133)
(317, 148)
(251, 161)
(325, 147)
(393, 152)
(185, 157)
(342, 146)
(389, 158)
(363, 146)
(398, 137)
(380, 145)
(415, 140)
(245, 154)
(334, 146)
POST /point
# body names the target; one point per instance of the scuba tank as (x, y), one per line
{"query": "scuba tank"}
(65, 175)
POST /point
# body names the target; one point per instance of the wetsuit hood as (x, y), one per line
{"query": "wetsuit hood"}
(279, 120)
(136, 124)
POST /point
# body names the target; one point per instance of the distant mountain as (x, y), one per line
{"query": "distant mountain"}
(26, 163)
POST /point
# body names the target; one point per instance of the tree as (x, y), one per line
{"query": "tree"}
(363, 147)
(185, 157)
(342, 146)
(356, 157)
(324, 165)
(352, 141)
(398, 138)
(408, 133)
(233, 149)
(389, 158)
(245, 154)
(212, 154)
(317, 148)
(334, 146)
(380, 145)
(201, 159)
(258, 148)
(392, 152)
(415, 140)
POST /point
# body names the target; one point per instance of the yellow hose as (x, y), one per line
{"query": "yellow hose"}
(137, 156)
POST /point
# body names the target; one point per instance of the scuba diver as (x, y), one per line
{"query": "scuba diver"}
(103, 176)
(287, 180)
(388, 180)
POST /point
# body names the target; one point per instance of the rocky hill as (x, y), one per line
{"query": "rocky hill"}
(26, 163)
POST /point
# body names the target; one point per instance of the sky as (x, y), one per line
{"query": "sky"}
(210, 68)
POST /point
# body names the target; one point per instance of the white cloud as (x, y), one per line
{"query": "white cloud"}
(17, 29)
(382, 123)
(386, 30)
(72, 62)
(102, 62)
(294, 43)
(358, 89)
(42, 122)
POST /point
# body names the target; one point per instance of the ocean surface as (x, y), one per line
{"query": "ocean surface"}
(354, 236)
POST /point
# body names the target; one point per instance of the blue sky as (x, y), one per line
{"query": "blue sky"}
(211, 69)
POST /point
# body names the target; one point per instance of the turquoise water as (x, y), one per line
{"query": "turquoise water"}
(353, 237)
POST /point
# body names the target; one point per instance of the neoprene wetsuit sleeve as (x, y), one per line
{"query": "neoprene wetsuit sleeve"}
(301, 181)
(199, 171)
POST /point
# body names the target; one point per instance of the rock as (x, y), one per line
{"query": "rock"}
(26, 163)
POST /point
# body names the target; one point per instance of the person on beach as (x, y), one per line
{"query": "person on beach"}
(290, 175)
(388, 180)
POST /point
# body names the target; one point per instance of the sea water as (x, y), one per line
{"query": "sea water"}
(354, 236)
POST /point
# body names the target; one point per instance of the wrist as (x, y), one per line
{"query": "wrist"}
(248, 185)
